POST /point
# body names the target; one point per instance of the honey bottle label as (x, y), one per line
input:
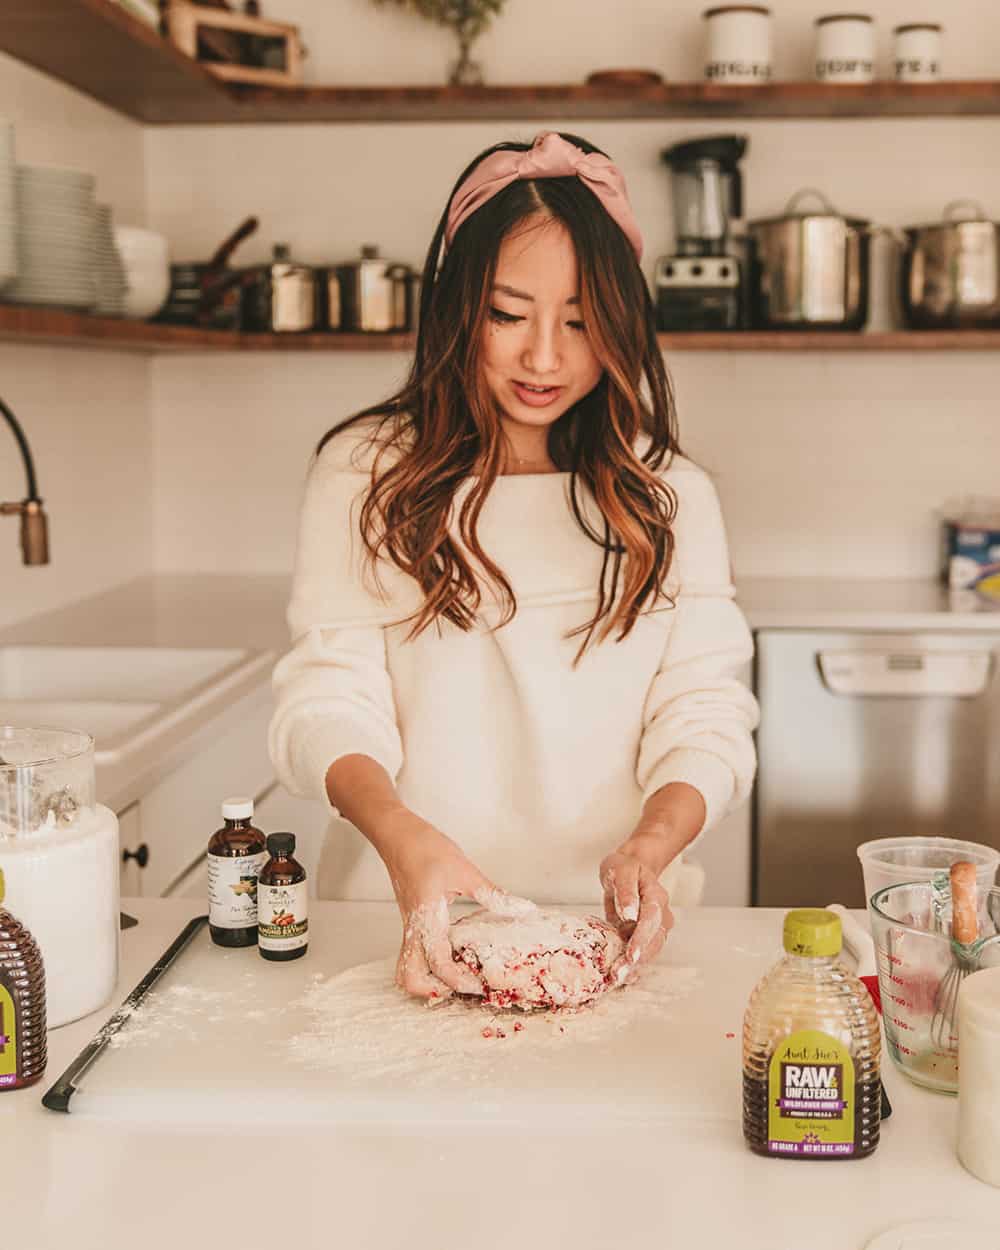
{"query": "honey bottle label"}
(811, 1107)
(8, 1039)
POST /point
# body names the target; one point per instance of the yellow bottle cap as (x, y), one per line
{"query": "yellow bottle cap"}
(3, 886)
(813, 933)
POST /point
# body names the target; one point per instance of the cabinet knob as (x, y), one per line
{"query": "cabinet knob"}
(141, 856)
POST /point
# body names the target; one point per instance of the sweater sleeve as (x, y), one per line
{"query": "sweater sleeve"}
(332, 691)
(699, 718)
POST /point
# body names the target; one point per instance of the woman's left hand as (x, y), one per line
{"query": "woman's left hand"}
(637, 906)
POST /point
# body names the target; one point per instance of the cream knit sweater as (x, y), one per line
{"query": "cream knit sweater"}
(535, 768)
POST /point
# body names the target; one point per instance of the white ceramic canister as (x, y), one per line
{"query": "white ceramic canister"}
(979, 1075)
(845, 48)
(916, 52)
(60, 855)
(738, 44)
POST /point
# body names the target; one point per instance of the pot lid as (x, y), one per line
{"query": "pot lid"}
(794, 213)
(958, 213)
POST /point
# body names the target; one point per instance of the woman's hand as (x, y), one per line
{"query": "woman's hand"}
(428, 871)
(636, 905)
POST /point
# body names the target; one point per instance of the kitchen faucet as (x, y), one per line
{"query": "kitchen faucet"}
(34, 523)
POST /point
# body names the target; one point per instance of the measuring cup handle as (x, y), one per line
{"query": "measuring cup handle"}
(857, 939)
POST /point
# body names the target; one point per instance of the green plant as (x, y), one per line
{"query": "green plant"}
(467, 18)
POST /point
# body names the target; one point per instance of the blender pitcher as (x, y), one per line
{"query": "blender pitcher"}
(911, 928)
(59, 852)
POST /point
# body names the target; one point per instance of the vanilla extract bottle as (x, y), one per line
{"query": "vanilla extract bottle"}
(811, 1050)
(282, 902)
(236, 854)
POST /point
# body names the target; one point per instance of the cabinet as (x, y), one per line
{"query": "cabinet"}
(163, 834)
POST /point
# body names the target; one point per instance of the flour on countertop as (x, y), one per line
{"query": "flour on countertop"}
(361, 1023)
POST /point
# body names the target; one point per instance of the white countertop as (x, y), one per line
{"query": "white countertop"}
(97, 1185)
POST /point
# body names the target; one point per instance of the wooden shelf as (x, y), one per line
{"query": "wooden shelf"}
(23, 324)
(97, 47)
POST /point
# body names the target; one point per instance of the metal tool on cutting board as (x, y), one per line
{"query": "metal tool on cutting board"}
(859, 943)
(58, 1096)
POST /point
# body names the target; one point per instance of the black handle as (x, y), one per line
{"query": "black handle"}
(141, 856)
(58, 1097)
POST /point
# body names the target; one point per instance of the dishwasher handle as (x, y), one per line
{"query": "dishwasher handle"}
(906, 674)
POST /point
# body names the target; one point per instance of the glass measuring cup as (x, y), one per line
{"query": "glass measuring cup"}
(911, 928)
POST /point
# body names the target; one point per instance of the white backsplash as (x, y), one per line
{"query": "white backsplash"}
(828, 463)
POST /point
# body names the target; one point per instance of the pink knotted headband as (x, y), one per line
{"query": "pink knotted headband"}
(551, 156)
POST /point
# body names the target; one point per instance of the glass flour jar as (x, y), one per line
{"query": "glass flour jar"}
(59, 852)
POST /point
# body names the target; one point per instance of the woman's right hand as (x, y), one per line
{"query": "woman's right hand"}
(428, 871)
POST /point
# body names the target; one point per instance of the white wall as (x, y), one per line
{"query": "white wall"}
(86, 414)
(828, 464)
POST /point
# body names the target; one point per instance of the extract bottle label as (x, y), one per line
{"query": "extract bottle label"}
(811, 1096)
(232, 889)
(283, 917)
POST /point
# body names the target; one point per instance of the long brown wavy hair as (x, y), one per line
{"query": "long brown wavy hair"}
(444, 425)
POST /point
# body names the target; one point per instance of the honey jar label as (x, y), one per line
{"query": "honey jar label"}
(811, 1107)
(8, 1039)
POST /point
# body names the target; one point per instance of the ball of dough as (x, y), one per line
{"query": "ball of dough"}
(545, 959)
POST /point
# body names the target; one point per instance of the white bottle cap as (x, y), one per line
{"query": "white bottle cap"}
(238, 808)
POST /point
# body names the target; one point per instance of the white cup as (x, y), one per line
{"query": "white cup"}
(845, 48)
(979, 1075)
(738, 44)
(916, 52)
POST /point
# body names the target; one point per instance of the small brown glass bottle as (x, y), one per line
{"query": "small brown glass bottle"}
(23, 1051)
(236, 854)
(282, 901)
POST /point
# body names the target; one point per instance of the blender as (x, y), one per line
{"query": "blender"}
(701, 286)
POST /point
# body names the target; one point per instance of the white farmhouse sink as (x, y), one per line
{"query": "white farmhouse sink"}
(122, 696)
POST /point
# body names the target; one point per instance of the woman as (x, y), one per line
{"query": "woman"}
(515, 641)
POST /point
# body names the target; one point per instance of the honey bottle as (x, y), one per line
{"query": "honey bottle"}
(236, 854)
(811, 1048)
(282, 902)
(22, 1003)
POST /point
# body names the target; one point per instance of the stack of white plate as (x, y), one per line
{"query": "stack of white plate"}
(8, 207)
(112, 284)
(57, 259)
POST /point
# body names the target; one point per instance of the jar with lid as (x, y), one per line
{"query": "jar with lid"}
(811, 1049)
(916, 52)
(845, 47)
(738, 43)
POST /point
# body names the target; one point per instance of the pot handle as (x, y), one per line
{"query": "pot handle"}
(977, 213)
(792, 206)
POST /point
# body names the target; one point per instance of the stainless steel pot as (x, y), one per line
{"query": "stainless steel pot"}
(376, 295)
(951, 270)
(282, 298)
(809, 270)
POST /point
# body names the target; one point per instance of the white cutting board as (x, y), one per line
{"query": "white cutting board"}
(226, 1036)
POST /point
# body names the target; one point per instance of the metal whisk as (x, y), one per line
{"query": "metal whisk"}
(965, 956)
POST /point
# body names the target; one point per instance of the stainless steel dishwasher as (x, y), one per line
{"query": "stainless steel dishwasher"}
(868, 735)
